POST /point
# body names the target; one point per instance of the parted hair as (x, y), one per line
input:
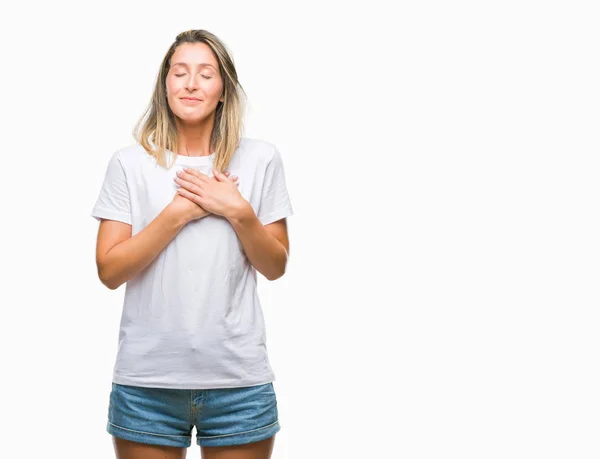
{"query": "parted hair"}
(156, 130)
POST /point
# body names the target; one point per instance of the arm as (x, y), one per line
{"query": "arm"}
(263, 235)
(119, 257)
(266, 246)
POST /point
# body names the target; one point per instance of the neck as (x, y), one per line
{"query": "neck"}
(194, 139)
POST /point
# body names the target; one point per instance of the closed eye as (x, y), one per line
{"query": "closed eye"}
(203, 76)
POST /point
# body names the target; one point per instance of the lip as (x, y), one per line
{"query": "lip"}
(191, 99)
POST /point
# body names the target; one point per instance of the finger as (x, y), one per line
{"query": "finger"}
(187, 174)
(189, 186)
(226, 173)
(218, 175)
(191, 196)
(193, 176)
(195, 173)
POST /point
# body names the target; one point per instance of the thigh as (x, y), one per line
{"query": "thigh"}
(255, 450)
(150, 416)
(237, 416)
(125, 449)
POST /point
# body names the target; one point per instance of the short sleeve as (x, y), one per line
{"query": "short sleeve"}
(114, 202)
(274, 200)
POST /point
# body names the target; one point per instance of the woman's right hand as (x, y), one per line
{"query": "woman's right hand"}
(189, 209)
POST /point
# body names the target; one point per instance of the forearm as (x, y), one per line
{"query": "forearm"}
(263, 250)
(130, 257)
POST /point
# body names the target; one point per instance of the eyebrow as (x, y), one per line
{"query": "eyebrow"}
(201, 65)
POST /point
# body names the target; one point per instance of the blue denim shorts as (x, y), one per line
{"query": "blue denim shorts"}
(222, 417)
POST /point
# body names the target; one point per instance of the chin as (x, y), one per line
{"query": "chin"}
(192, 120)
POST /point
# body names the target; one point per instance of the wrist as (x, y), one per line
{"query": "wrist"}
(176, 216)
(240, 212)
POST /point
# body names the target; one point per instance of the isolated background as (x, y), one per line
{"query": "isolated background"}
(442, 161)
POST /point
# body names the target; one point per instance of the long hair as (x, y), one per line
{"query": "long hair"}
(156, 130)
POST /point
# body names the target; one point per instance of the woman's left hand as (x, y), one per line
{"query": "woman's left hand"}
(218, 195)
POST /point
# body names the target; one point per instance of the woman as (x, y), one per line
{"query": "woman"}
(188, 241)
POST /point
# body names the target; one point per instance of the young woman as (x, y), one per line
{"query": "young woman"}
(188, 215)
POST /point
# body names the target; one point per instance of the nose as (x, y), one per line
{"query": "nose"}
(192, 83)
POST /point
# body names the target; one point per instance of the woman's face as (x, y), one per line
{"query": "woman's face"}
(194, 74)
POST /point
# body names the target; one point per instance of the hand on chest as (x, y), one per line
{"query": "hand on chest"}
(157, 187)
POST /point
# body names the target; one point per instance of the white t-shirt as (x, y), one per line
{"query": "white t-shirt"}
(192, 319)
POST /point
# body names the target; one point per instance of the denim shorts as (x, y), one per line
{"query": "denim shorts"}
(222, 417)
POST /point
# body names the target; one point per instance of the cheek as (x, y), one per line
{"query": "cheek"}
(215, 90)
(171, 88)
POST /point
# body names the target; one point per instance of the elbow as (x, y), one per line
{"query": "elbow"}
(281, 264)
(109, 285)
(106, 280)
(276, 276)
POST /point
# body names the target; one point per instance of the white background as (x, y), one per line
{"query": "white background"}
(442, 160)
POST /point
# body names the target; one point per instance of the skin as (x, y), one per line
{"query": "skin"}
(266, 247)
(194, 72)
(198, 195)
(121, 256)
(126, 449)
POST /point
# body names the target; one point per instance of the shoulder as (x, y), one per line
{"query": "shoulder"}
(259, 150)
(131, 155)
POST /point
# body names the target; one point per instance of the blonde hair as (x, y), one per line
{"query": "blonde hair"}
(156, 130)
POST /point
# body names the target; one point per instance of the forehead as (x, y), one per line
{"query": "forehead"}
(194, 54)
